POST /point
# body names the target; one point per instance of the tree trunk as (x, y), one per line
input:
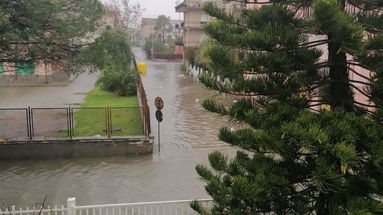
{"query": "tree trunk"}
(340, 92)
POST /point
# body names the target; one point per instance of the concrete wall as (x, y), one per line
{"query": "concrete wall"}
(193, 18)
(193, 37)
(49, 149)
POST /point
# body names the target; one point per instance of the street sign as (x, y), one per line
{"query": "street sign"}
(159, 116)
(159, 103)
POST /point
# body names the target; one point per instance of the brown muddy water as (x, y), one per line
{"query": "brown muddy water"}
(188, 135)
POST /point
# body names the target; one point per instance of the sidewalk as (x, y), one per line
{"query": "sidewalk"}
(49, 96)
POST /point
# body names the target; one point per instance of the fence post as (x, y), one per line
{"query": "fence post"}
(110, 124)
(29, 122)
(27, 118)
(13, 210)
(70, 122)
(71, 204)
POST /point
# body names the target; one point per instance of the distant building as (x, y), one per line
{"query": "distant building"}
(195, 18)
(147, 28)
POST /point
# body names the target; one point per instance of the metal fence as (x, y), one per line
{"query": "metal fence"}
(72, 122)
(14, 122)
(179, 207)
(46, 123)
(143, 102)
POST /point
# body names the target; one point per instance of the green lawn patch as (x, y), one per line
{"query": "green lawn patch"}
(91, 122)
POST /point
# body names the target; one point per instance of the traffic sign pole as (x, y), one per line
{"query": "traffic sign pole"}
(159, 137)
(159, 103)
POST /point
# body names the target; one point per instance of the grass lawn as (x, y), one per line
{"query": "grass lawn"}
(92, 122)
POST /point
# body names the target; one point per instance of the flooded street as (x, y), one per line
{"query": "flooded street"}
(20, 97)
(47, 122)
(188, 135)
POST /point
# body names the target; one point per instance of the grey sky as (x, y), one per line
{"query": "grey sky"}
(153, 8)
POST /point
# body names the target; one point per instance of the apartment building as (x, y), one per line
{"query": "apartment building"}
(195, 18)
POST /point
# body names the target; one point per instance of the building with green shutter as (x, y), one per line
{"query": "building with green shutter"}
(32, 74)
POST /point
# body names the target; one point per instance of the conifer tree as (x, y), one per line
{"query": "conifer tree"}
(286, 60)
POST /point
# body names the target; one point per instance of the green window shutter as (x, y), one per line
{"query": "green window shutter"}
(1, 68)
(24, 68)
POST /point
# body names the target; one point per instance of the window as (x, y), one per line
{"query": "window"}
(25, 68)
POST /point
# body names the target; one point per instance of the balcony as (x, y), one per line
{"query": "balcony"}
(187, 5)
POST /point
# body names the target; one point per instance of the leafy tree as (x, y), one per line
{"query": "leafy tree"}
(158, 46)
(163, 26)
(112, 54)
(47, 30)
(295, 157)
(63, 31)
(128, 15)
(112, 48)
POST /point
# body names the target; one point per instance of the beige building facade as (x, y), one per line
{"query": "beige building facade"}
(195, 18)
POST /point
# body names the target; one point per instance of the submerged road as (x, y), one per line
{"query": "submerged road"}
(188, 135)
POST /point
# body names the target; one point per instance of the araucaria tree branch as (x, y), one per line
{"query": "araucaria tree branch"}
(302, 105)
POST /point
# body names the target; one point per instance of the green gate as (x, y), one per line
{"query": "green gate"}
(1, 68)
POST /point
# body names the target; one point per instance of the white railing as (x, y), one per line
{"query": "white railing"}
(35, 211)
(179, 207)
(194, 70)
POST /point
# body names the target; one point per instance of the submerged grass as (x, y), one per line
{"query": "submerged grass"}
(91, 122)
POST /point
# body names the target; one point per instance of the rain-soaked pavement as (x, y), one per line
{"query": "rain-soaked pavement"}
(188, 135)
(47, 122)
(20, 97)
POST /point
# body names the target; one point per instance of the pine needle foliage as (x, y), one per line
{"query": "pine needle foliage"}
(286, 61)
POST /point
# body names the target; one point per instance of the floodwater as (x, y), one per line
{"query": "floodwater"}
(188, 135)
(47, 122)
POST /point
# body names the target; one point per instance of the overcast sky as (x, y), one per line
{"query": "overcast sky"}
(153, 8)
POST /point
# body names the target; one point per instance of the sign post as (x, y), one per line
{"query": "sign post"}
(159, 103)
